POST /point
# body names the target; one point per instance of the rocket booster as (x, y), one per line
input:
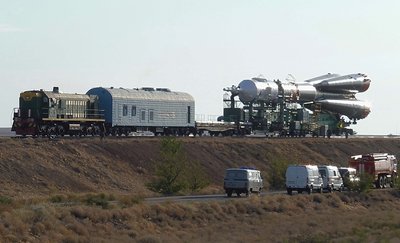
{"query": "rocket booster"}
(352, 83)
(335, 93)
(355, 109)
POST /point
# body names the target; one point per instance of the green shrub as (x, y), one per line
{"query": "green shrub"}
(99, 200)
(352, 185)
(365, 183)
(170, 168)
(276, 178)
(5, 200)
(57, 199)
(174, 173)
(196, 179)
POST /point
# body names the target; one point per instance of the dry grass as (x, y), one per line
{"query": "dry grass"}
(339, 217)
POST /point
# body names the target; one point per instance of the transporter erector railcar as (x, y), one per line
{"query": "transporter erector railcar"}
(159, 110)
(53, 113)
(316, 106)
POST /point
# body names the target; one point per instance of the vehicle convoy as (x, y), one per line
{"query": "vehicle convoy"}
(302, 178)
(242, 180)
(381, 166)
(331, 178)
(316, 106)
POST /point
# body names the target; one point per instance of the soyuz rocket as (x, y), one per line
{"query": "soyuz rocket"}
(332, 92)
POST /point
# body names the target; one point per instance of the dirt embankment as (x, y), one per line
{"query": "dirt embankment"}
(31, 169)
(42, 167)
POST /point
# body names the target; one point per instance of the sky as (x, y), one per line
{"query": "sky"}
(199, 47)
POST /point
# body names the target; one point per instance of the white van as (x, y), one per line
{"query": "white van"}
(242, 180)
(331, 177)
(349, 176)
(303, 178)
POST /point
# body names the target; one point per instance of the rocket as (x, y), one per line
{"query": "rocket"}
(333, 92)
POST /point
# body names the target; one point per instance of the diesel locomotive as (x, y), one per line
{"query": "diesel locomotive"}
(53, 113)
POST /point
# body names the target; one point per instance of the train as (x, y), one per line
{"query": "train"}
(313, 107)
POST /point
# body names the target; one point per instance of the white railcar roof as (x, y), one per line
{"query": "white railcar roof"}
(55, 95)
(149, 94)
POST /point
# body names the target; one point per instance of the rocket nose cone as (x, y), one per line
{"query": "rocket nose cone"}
(367, 110)
(365, 85)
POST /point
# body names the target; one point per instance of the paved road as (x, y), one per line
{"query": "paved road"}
(202, 198)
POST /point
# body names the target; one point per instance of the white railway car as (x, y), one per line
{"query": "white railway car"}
(160, 110)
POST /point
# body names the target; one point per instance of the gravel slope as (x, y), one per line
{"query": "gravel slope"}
(31, 167)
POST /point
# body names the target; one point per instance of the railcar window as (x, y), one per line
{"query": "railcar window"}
(143, 115)
(124, 110)
(151, 115)
(133, 110)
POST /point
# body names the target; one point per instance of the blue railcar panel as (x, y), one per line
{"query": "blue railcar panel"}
(105, 102)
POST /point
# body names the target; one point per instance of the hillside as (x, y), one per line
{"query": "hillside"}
(90, 190)
(31, 167)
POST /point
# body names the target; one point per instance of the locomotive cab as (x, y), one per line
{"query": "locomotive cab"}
(31, 104)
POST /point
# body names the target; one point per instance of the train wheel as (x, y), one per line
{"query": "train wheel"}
(384, 181)
(377, 183)
(380, 182)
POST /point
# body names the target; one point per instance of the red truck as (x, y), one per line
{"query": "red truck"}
(382, 166)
